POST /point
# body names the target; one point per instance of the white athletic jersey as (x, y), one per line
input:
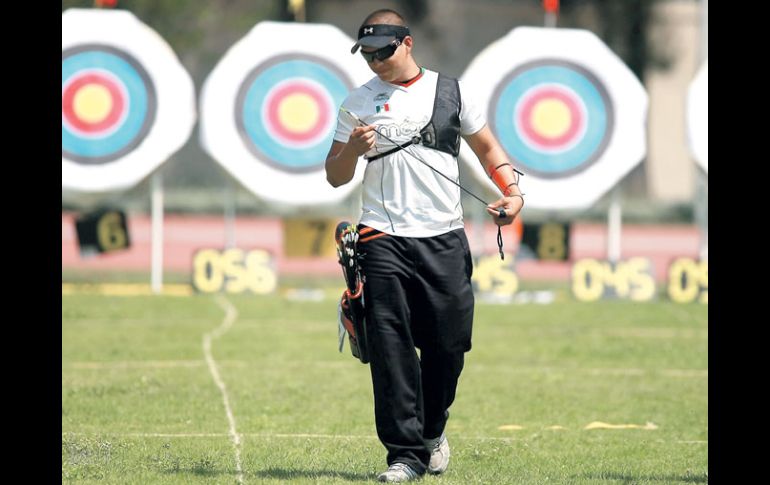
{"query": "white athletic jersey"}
(401, 195)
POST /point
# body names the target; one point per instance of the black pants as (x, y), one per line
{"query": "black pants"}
(417, 294)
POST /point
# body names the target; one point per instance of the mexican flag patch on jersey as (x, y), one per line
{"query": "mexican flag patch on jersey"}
(383, 107)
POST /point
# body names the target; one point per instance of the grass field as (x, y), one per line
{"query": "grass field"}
(141, 403)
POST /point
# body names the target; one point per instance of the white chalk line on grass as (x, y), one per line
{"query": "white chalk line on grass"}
(161, 364)
(691, 373)
(230, 315)
(138, 364)
(330, 436)
(152, 364)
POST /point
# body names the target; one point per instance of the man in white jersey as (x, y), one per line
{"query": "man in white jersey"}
(416, 262)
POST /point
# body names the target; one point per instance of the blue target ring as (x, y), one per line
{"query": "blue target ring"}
(108, 104)
(553, 117)
(286, 110)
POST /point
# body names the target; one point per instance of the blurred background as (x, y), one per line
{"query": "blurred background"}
(657, 210)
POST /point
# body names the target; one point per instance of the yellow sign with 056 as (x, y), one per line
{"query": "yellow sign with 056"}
(234, 271)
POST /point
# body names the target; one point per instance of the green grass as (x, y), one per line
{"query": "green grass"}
(139, 404)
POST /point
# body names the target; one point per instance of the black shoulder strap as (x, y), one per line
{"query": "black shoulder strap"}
(443, 130)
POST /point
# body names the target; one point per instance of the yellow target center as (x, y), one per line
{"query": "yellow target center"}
(92, 103)
(298, 113)
(551, 118)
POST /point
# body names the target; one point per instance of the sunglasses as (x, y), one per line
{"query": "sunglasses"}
(382, 53)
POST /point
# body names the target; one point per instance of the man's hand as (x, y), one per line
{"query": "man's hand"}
(512, 206)
(362, 139)
(342, 157)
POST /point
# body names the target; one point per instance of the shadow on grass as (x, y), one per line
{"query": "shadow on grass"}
(636, 478)
(283, 474)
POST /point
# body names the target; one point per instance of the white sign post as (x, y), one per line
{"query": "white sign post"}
(127, 105)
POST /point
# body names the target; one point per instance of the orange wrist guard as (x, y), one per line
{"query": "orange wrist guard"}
(505, 177)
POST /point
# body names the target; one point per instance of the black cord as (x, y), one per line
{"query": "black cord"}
(382, 195)
(425, 163)
(500, 243)
(500, 209)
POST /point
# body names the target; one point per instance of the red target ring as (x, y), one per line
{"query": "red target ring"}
(94, 103)
(284, 105)
(566, 115)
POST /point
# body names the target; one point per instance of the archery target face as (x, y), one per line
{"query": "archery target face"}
(269, 111)
(567, 111)
(108, 104)
(127, 102)
(286, 110)
(554, 118)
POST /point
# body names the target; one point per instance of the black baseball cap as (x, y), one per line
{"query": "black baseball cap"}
(379, 35)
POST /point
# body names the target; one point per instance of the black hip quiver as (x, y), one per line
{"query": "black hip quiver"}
(351, 307)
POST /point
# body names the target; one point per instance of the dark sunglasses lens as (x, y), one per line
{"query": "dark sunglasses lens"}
(385, 52)
(380, 54)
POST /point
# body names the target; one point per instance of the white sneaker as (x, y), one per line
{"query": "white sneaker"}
(398, 472)
(439, 454)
